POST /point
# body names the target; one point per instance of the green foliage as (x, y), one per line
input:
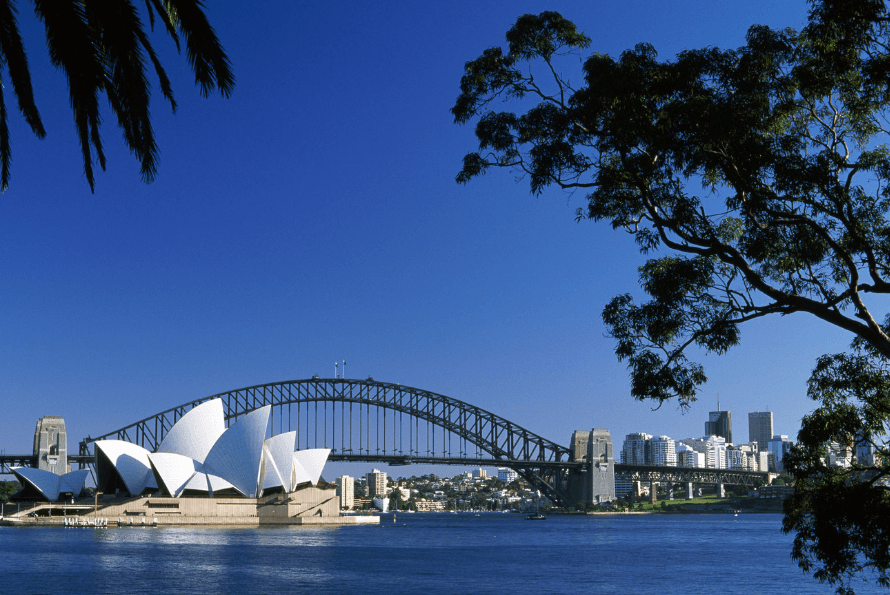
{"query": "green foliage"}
(103, 48)
(841, 516)
(7, 489)
(761, 174)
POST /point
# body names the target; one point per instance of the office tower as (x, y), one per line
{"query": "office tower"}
(760, 428)
(719, 424)
(778, 446)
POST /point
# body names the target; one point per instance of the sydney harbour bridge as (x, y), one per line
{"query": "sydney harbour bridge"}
(371, 421)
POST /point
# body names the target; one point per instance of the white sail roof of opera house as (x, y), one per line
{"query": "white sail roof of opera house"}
(312, 461)
(128, 460)
(50, 485)
(237, 455)
(196, 432)
(278, 461)
(199, 455)
(174, 471)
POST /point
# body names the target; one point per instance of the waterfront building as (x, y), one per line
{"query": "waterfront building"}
(712, 447)
(636, 449)
(663, 451)
(198, 456)
(736, 459)
(689, 457)
(760, 428)
(507, 475)
(840, 455)
(778, 446)
(376, 483)
(866, 452)
(752, 456)
(381, 503)
(623, 487)
(719, 424)
(346, 491)
(51, 445)
(424, 505)
(762, 460)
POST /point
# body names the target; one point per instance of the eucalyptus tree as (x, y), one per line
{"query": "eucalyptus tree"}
(102, 48)
(758, 181)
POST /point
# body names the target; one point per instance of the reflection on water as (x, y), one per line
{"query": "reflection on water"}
(687, 554)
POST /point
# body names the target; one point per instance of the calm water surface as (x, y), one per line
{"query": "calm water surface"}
(418, 554)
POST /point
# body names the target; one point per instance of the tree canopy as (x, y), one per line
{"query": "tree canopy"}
(102, 48)
(758, 181)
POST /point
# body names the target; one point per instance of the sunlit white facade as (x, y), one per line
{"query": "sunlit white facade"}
(47, 484)
(200, 456)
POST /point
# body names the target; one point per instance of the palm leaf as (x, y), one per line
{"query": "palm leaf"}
(13, 53)
(203, 50)
(118, 31)
(72, 48)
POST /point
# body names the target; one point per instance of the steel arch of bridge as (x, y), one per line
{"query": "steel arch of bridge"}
(498, 441)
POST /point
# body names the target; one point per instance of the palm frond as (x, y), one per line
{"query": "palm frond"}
(117, 28)
(13, 53)
(5, 153)
(72, 48)
(151, 6)
(203, 49)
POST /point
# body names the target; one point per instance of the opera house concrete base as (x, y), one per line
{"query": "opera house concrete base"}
(309, 506)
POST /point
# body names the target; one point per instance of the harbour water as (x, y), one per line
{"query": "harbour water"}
(419, 553)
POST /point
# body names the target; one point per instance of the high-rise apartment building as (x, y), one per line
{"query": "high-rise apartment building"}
(376, 483)
(689, 457)
(663, 451)
(346, 491)
(760, 428)
(719, 424)
(636, 449)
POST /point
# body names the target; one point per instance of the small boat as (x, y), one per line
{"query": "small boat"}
(536, 516)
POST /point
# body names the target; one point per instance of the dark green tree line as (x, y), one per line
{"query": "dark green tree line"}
(758, 180)
(102, 48)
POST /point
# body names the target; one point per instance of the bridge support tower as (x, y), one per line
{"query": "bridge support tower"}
(596, 484)
(51, 444)
(689, 494)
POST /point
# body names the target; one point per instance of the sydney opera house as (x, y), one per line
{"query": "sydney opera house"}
(202, 472)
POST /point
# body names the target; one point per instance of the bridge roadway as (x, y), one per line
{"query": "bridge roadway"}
(650, 473)
(372, 421)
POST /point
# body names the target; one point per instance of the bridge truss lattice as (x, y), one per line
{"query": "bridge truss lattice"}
(367, 420)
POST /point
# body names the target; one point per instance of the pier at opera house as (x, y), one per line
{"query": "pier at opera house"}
(202, 473)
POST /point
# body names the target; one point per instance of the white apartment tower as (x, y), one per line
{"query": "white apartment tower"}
(636, 449)
(376, 483)
(346, 491)
(663, 451)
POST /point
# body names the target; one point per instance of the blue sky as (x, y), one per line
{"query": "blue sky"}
(313, 217)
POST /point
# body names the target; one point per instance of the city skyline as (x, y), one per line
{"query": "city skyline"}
(313, 217)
